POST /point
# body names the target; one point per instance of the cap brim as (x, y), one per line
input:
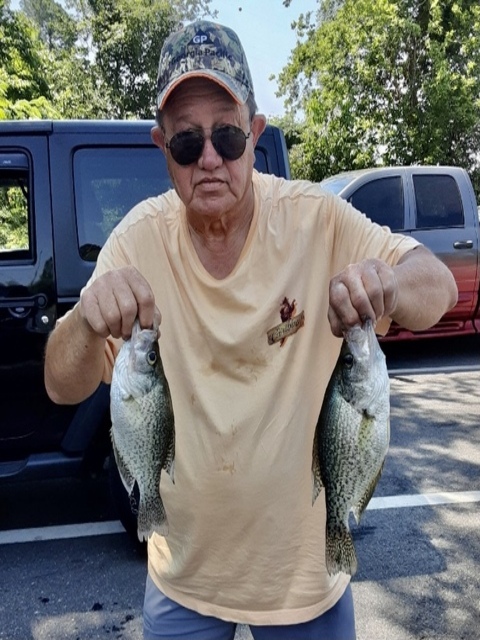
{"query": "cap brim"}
(236, 91)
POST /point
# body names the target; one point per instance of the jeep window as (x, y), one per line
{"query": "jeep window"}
(382, 201)
(261, 163)
(15, 212)
(438, 201)
(108, 182)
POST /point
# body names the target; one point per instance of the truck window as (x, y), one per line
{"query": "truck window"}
(15, 208)
(382, 201)
(438, 201)
(108, 182)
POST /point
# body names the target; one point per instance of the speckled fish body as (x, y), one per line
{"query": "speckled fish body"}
(351, 440)
(143, 431)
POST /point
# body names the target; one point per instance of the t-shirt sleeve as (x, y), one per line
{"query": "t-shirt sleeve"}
(354, 237)
(110, 257)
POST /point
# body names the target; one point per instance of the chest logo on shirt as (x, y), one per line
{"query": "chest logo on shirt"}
(290, 324)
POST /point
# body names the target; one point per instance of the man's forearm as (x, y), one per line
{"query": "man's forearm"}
(426, 290)
(74, 361)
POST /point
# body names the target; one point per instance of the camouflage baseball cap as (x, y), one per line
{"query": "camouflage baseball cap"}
(204, 49)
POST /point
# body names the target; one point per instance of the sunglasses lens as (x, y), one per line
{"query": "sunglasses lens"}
(229, 142)
(186, 147)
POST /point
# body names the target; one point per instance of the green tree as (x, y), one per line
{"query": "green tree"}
(103, 54)
(13, 218)
(57, 28)
(386, 82)
(124, 38)
(24, 64)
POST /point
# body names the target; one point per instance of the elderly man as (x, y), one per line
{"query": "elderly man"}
(222, 259)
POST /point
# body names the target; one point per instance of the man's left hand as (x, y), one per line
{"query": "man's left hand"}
(367, 289)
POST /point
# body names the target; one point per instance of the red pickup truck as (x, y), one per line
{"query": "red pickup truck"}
(437, 206)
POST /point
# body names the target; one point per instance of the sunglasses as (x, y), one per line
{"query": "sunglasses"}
(229, 142)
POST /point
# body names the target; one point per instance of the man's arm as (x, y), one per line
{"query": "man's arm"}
(75, 354)
(426, 290)
(415, 293)
(74, 360)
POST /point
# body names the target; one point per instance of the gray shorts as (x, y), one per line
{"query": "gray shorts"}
(164, 619)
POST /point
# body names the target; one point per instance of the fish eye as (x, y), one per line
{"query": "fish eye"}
(151, 357)
(348, 360)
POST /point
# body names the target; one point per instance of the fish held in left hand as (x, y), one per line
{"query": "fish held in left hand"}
(351, 440)
(143, 430)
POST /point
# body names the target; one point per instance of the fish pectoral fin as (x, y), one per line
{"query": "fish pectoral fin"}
(359, 508)
(169, 464)
(170, 469)
(317, 484)
(126, 477)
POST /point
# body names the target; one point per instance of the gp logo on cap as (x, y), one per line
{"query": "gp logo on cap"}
(201, 38)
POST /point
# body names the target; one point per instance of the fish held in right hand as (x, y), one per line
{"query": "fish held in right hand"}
(143, 427)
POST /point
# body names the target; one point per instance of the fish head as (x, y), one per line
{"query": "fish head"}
(364, 380)
(138, 363)
(144, 351)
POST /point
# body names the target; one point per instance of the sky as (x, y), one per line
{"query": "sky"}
(264, 28)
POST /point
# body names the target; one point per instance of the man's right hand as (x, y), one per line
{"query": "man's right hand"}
(75, 353)
(110, 305)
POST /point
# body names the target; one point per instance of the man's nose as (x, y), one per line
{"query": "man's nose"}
(210, 157)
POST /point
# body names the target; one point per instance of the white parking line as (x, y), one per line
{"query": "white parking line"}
(42, 534)
(419, 371)
(424, 499)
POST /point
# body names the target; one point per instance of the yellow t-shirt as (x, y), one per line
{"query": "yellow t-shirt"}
(248, 359)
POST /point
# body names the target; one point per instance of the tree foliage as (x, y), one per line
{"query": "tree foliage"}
(126, 38)
(85, 58)
(24, 91)
(386, 82)
(56, 27)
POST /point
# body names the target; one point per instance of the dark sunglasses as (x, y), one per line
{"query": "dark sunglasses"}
(229, 142)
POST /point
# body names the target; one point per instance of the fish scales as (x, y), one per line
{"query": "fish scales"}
(143, 431)
(351, 441)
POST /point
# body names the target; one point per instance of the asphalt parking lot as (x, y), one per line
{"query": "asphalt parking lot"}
(418, 572)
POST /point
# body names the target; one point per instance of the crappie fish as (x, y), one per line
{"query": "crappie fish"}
(351, 440)
(143, 431)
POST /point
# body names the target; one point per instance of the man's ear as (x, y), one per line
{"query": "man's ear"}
(258, 125)
(158, 137)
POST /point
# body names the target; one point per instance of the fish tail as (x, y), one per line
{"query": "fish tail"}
(340, 552)
(151, 517)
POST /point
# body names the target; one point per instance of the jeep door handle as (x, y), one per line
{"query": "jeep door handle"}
(463, 244)
(38, 301)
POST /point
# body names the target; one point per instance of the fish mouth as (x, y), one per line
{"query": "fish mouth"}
(360, 341)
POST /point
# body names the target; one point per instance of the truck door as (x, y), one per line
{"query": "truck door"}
(443, 223)
(27, 292)
(383, 200)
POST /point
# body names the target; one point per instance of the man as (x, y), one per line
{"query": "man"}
(255, 279)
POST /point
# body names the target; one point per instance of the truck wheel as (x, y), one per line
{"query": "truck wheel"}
(125, 505)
